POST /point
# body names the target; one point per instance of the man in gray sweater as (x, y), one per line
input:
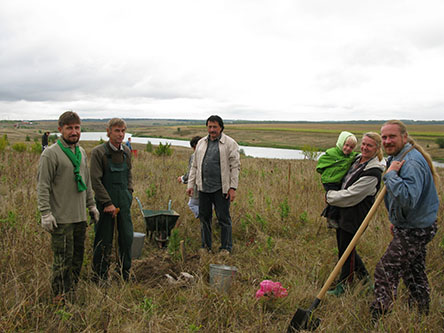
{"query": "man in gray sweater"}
(63, 193)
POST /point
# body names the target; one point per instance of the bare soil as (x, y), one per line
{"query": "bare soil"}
(153, 269)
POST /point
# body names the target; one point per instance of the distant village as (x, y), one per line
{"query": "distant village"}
(23, 123)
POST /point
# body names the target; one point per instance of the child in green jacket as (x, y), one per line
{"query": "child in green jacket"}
(333, 165)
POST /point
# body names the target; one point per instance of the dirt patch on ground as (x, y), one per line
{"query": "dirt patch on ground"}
(152, 270)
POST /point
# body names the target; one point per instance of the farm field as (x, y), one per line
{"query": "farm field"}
(277, 235)
(319, 136)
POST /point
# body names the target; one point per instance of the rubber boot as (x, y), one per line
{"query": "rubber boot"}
(338, 291)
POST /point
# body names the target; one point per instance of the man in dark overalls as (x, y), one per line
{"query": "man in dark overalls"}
(112, 183)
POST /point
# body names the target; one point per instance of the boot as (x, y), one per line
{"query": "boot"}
(338, 291)
(332, 224)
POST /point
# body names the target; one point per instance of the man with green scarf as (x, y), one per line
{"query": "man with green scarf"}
(111, 179)
(64, 193)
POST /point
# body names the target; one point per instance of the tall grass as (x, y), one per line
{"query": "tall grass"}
(277, 234)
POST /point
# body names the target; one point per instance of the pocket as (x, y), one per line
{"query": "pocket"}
(396, 214)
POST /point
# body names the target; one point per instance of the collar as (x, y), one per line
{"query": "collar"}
(113, 147)
(219, 138)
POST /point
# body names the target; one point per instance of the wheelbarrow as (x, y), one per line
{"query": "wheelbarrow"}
(159, 223)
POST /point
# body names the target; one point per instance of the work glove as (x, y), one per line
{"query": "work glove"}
(49, 222)
(94, 214)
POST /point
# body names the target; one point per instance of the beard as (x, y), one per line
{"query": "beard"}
(72, 139)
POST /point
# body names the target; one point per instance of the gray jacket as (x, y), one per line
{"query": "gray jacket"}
(229, 163)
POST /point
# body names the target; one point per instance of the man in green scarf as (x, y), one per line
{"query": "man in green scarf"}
(64, 193)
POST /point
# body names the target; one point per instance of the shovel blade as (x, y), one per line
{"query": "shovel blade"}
(303, 320)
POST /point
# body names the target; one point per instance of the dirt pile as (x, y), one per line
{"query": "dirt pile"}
(152, 270)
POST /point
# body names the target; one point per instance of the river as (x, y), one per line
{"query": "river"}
(263, 152)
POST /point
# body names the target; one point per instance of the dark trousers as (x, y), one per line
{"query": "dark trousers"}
(103, 243)
(329, 211)
(68, 245)
(404, 258)
(354, 262)
(222, 208)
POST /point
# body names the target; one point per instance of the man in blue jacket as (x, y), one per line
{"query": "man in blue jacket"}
(412, 203)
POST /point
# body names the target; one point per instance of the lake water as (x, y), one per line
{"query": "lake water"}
(288, 154)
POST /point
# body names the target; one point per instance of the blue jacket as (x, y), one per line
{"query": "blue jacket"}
(411, 199)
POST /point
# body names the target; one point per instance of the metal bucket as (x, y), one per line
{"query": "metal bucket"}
(136, 249)
(221, 276)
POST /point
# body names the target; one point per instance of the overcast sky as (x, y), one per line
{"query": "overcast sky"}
(240, 59)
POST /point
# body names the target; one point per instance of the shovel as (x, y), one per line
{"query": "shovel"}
(303, 319)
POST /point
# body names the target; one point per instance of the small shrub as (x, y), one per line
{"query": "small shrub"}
(19, 147)
(440, 142)
(261, 221)
(163, 150)
(310, 153)
(151, 191)
(284, 209)
(147, 307)
(303, 217)
(63, 315)
(3, 143)
(194, 328)
(52, 138)
(36, 148)
(174, 244)
(10, 221)
(250, 198)
(270, 243)
(441, 244)
(28, 138)
(149, 147)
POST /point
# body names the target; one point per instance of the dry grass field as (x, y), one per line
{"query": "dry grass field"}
(277, 234)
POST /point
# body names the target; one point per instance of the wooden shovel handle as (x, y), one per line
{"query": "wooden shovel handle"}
(353, 243)
(116, 243)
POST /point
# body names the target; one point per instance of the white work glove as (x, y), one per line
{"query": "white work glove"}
(49, 222)
(94, 214)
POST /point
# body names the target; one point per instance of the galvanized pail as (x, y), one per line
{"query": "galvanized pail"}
(221, 276)
(136, 249)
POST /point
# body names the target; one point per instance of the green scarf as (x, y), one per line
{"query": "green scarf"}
(76, 160)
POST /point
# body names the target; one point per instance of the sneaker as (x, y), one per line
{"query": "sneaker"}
(224, 253)
(203, 252)
(332, 224)
(338, 291)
